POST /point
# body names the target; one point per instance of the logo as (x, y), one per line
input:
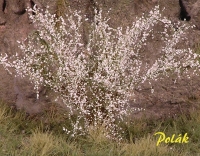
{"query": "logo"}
(172, 139)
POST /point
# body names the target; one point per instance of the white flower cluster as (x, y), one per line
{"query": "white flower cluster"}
(96, 81)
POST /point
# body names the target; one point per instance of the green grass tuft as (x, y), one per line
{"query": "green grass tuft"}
(22, 135)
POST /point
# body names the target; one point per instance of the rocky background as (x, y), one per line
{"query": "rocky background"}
(169, 98)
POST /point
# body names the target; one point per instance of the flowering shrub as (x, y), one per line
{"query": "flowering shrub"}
(97, 80)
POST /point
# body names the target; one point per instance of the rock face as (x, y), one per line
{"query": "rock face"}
(15, 26)
(169, 97)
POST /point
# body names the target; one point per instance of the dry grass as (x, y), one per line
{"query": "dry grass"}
(145, 146)
(22, 136)
(44, 143)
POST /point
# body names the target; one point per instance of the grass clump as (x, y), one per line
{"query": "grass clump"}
(21, 135)
(45, 143)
